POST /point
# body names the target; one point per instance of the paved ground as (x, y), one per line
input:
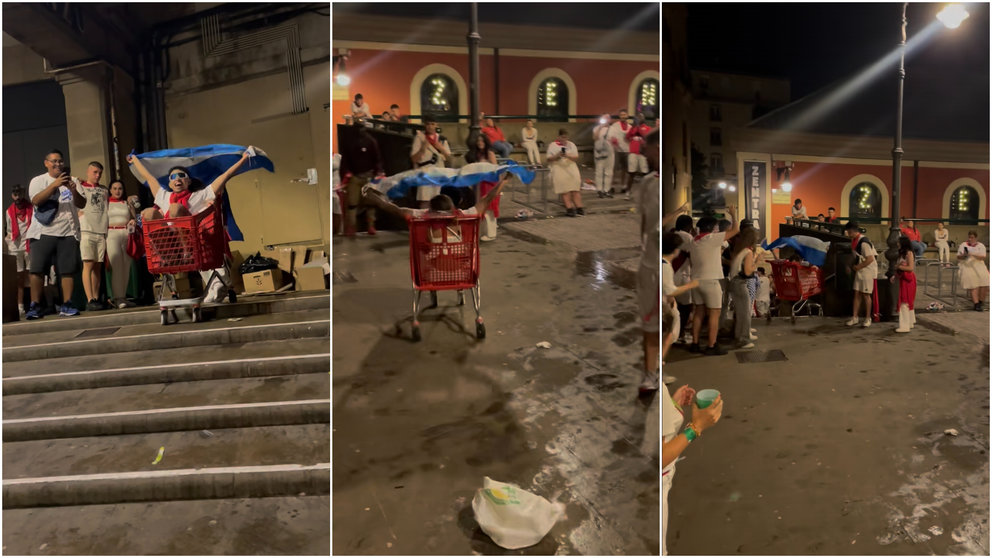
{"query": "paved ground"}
(841, 450)
(416, 426)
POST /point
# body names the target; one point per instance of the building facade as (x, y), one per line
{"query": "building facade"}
(676, 96)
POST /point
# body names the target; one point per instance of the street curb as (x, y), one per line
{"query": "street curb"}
(188, 372)
(935, 326)
(236, 482)
(170, 340)
(277, 413)
(152, 314)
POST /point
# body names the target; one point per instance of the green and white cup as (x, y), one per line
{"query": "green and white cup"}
(706, 397)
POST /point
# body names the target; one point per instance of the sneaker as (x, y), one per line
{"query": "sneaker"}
(580, 210)
(754, 330)
(487, 238)
(748, 345)
(694, 348)
(570, 212)
(649, 384)
(852, 322)
(715, 350)
(669, 380)
(371, 230)
(866, 323)
(68, 309)
(610, 194)
(34, 312)
(978, 307)
(601, 195)
(754, 337)
(902, 330)
(93, 306)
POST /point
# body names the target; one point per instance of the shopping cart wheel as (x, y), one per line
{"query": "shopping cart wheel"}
(165, 317)
(197, 316)
(232, 296)
(480, 331)
(415, 333)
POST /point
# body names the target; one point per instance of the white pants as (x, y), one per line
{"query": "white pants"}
(943, 251)
(533, 153)
(666, 485)
(907, 318)
(604, 172)
(120, 263)
(489, 225)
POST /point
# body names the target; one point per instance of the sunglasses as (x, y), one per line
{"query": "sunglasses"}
(176, 175)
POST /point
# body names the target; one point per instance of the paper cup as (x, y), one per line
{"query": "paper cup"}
(705, 397)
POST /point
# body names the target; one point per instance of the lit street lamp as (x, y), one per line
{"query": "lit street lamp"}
(951, 17)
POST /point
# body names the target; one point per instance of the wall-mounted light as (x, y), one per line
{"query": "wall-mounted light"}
(787, 185)
(732, 188)
(722, 185)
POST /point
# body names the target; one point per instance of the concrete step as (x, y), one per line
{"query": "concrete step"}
(289, 325)
(267, 304)
(292, 526)
(248, 352)
(304, 444)
(298, 399)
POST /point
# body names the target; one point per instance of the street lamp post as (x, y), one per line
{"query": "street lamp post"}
(473, 70)
(951, 17)
(892, 254)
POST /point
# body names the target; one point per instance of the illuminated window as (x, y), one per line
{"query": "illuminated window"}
(439, 96)
(964, 205)
(552, 100)
(647, 98)
(865, 203)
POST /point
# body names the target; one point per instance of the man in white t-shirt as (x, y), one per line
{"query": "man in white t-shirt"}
(430, 149)
(617, 137)
(58, 238)
(94, 221)
(178, 200)
(360, 109)
(865, 272)
(707, 268)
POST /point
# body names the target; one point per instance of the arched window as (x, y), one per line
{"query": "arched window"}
(439, 96)
(964, 205)
(865, 203)
(552, 100)
(647, 98)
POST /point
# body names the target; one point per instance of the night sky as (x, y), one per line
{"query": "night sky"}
(816, 44)
(593, 15)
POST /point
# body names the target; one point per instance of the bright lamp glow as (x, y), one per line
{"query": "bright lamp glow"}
(722, 185)
(786, 186)
(343, 80)
(953, 15)
(774, 190)
(732, 188)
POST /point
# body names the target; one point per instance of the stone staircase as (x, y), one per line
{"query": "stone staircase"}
(121, 436)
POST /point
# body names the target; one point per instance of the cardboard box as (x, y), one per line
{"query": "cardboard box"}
(263, 281)
(283, 255)
(311, 276)
(315, 253)
(182, 286)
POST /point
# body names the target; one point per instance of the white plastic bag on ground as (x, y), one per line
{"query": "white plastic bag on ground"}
(513, 517)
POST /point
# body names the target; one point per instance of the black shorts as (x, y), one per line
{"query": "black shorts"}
(63, 250)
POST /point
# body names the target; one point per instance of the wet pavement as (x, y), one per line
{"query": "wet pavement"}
(841, 449)
(416, 426)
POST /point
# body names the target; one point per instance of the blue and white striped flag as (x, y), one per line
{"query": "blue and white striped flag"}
(809, 248)
(205, 163)
(397, 185)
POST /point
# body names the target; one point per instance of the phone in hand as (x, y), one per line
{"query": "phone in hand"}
(563, 150)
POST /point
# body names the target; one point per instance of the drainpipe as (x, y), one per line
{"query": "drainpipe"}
(473, 70)
(916, 185)
(496, 79)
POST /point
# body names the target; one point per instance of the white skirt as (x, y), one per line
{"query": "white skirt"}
(565, 176)
(974, 274)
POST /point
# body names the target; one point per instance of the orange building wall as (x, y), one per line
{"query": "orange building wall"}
(383, 78)
(820, 185)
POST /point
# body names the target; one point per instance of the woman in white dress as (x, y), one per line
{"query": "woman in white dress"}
(941, 236)
(974, 274)
(529, 143)
(565, 177)
(121, 217)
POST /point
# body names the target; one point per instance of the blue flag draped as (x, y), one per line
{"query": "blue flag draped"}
(809, 248)
(397, 185)
(205, 163)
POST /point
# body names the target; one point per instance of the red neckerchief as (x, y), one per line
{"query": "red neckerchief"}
(115, 200)
(701, 235)
(182, 198)
(624, 126)
(16, 213)
(433, 139)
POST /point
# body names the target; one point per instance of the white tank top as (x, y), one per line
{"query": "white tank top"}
(118, 213)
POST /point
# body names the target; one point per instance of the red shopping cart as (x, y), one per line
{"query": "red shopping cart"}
(796, 283)
(444, 256)
(186, 244)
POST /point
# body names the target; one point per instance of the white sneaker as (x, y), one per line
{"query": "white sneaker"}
(866, 323)
(754, 330)
(649, 383)
(669, 379)
(746, 346)
(852, 322)
(754, 337)
(902, 330)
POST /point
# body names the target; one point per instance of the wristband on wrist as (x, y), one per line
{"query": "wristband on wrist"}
(691, 432)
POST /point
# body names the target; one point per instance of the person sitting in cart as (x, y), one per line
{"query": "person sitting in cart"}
(441, 205)
(187, 195)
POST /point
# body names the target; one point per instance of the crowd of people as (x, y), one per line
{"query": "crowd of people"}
(62, 221)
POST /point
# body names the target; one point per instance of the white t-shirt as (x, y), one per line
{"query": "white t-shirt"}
(66, 222)
(764, 290)
(359, 111)
(529, 136)
(554, 148)
(941, 235)
(705, 254)
(737, 263)
(667, 278)
(800, 213)
(94, 218)
(671, 422)
(976, 250)
(198, 201)
(684, 273)
(430, 152)
(618, 132)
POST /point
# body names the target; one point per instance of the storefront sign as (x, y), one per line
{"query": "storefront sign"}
(754, 193)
